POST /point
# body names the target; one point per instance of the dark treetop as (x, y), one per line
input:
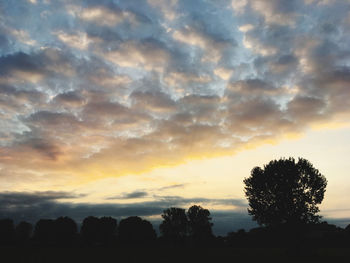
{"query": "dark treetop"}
(285, 191)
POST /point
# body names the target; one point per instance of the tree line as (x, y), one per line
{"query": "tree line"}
(283, 199)
(178, 226)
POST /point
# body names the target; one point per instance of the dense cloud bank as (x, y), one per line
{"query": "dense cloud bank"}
(104, 83)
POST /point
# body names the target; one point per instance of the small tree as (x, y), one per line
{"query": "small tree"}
(175, 224)
(199, 222)
(285, 191)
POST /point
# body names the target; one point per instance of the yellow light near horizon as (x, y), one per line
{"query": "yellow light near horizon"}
(330, 125)
(217, 176)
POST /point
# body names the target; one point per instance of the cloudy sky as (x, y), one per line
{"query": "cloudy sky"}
(129, 107)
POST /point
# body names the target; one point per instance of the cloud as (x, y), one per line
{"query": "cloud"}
(280, 12)
(152, 101)
(45, 148)
(180, 201)
(223, 73)
(99, 85)
(102, 15)
(251, 87)
(46, 118)
(21, 65)
(212, 46)
(306, 108)
(70, 98)
(19, 199)
(23, 36)
(104, 108)
(132, 195)
(16, 100)
(149, 54)
(284, 63)
(171, 187)
(239, 5)
(79, 40)
(167, 8)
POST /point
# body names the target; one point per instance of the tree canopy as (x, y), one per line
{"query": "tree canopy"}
(135, 230)
(175, 223)
(285, 191)
(199, 222)
(99, 230)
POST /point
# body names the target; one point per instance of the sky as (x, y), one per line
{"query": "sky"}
(120, 108)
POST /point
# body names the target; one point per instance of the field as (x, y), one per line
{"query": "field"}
(171, 255)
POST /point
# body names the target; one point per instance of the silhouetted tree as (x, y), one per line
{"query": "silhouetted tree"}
(65, 231)
(44, 232)
(199, 223)
(99, 231)
(23, 232)
(175, 224)
(108, 230)
(90, 230)
(7, 232)
(135, 230)
(285, 191)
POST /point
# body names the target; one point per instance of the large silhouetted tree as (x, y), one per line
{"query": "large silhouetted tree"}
(199, 223)
(285, 191)
(175, 224)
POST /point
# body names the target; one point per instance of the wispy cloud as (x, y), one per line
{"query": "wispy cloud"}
(132, 195)
(171, 187)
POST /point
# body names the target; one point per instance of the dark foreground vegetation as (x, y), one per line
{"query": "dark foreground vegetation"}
(283, 198)
(134, 240)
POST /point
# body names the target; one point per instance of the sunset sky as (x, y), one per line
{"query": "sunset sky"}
(120, 108)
